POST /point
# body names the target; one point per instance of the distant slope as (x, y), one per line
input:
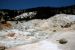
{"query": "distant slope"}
(42, 12)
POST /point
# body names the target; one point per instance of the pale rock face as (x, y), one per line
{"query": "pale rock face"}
(42, 45)
(46, 32)
(52, 43)
(25, 15)
(66, 36)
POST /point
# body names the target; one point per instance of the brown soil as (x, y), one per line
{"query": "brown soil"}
(2, 47)
(11, 34)
(5, 25)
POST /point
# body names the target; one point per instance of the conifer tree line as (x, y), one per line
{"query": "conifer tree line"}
(42, 12)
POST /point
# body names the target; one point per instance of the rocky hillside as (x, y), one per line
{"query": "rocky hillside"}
(42, 12)
(57, 31)
(41, 28)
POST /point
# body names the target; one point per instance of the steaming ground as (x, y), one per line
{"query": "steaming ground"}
(34, 32)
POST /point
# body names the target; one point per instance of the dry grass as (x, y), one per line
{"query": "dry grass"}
(6, 25)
